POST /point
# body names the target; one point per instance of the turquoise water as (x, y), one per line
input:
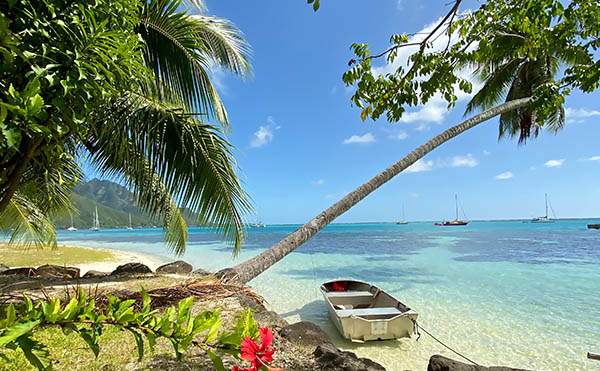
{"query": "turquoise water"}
(511, 293)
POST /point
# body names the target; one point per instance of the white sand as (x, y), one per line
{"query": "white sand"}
(120, 258)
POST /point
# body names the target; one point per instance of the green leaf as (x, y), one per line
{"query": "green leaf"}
(140, 343)
(35, 105)
(16, 330)
(183, 313)
(214, 330)
(88, 335)
(216, 360)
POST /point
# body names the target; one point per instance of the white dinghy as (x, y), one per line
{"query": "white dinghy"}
(363, 312)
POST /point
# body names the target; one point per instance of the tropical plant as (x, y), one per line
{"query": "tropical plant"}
(82, 316)
(126, 84)
(541, 34)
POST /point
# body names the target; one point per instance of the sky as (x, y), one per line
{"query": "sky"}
(301, 145)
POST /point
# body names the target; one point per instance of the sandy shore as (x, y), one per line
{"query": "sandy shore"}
(120, 258)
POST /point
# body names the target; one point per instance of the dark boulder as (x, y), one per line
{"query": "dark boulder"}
(179, 266)
(271, 319)
(201, 272)
(95, 274)
(305, 334)
(25, 271)
(441, 363)
(132, 268)
(331, 358)
(57, 271)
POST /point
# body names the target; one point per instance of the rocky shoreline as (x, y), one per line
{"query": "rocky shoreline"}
(301, 346)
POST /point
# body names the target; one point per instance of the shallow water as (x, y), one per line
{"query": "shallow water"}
(510, 293)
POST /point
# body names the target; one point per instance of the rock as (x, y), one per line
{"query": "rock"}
(201, 272)
(4, 268)
(57, 271)
(271, 319)
(25, 271)
(131, 268)
(95, 274)
(331, 358)
(305, 334)
(176, 267)
(441, 363)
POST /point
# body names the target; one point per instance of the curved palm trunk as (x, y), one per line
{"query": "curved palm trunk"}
(246, 271)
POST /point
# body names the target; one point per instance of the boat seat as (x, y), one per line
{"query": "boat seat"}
(345, 294)
(386, 311)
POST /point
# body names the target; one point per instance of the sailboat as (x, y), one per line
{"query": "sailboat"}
(72, 227)
(95, 222)
(130, 227)
(544, 219)
(455, 222)
(403, 221)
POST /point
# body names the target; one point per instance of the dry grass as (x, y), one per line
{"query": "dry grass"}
(16, 256)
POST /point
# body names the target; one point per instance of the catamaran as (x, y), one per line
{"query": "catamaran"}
(455, 222)
(545, 219)
(95, 222)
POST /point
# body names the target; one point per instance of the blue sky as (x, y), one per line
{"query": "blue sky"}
(301, 145)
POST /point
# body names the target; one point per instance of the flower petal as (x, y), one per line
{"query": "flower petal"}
(266, 338)
(267, 357)
(249, 349)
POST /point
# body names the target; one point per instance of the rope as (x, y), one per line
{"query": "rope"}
(417, 326)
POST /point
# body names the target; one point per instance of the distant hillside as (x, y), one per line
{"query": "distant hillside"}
(114, 203)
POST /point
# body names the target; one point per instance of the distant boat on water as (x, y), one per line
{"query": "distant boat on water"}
(593, 226)
(455, 222)
(403, 221)
(257, 225)
(72, 227)
(545, 219)
(95, 222)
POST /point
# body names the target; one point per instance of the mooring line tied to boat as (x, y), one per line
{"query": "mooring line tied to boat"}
(417, 327)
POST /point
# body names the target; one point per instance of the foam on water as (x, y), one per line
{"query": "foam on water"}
(509, 293)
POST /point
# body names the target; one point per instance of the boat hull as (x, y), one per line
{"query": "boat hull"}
(364, 313)
(452, 224)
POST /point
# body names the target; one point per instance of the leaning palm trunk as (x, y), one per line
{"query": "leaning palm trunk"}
(248, 270)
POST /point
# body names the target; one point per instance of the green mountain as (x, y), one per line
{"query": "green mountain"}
(114, 203)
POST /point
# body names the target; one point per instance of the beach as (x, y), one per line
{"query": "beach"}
(504, 293)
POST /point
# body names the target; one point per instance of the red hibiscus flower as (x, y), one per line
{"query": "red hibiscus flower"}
(258, 356)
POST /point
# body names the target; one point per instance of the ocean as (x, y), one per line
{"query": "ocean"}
(500, 292)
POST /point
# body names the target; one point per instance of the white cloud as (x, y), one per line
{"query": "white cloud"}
(318, 182)
(218, 80)
(265, 133)
(505, 175)
(464, 161)
(436, 108)
(361, 139)
(487, 153)
(398, 135)
(593, 158)
(580, 112)
(554, 163)
(420, 166)
(578, 115)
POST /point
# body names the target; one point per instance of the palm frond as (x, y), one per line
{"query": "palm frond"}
(150, 128)
(224, 43)
(27, 224)
(180, 49)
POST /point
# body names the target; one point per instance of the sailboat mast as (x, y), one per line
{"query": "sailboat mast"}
(456, 203)
(546, 196)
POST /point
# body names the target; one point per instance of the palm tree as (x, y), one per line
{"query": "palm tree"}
(157, 137)
(506, 77)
